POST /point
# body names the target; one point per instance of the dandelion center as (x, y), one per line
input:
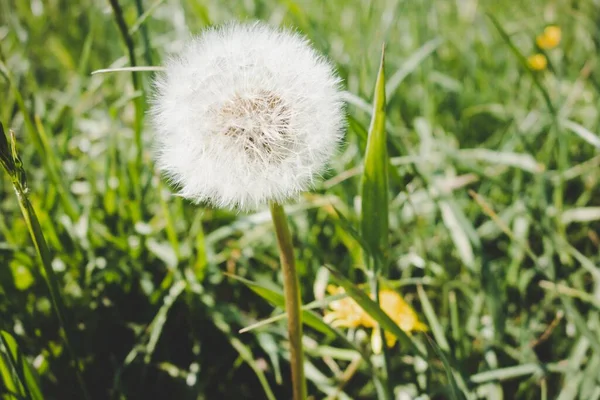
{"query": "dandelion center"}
(259, 124)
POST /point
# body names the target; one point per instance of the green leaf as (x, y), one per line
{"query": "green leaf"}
(346, 225)
(309, 318)
(434, 323)
(5, 158)
(455, 392)
(507, 373)
(46, 271)
(441, 346)
(11, 383)
(374, 220)
(580, 323)
(306, 307)
(357, 128)
(22, 379)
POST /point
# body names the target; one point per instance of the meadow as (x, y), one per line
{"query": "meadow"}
(492, 231)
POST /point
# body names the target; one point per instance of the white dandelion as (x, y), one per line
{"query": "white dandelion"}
(245, 115)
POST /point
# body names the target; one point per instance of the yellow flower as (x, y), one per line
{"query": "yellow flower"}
(537, 62)
(347, 313)
(550, 38)
(401, 313)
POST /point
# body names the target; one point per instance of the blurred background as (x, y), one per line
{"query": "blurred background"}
(493, 121)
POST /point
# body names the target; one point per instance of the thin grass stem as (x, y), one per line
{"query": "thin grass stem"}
(138, 102)
(12, 164)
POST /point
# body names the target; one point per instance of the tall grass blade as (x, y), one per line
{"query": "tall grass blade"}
(308, 317)
(374, 193)
(23, 381)
(14, 167)
(374, 197)
(456, 394)
(128, 69)
(137, 102)
(582, 132)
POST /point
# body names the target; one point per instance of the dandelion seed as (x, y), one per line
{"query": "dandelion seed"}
(537, 62)
(245, 115)
(550, 38)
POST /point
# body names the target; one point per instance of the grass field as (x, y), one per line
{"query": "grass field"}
(494, 208)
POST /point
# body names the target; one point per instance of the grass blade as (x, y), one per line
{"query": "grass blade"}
(279, 317)
(15, 170)
(582, 132)
(523, 61)
(128, 69)
(374, 197)
(138, 101)
(24, 371)
(507, 373)
(308, 317)
(455, 392)
(440, 345)
(373, 309)
(374, 219)
(311, 319)
(432, 319)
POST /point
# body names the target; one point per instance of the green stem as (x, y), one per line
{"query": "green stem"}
(386, 390)
(138, 103)
(293, 301)
(47, 272)
(11, 162)
(144, 29)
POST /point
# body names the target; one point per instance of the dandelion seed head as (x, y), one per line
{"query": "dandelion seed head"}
(246, 114)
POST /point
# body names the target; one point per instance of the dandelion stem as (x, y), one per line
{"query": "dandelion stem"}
(293, 300)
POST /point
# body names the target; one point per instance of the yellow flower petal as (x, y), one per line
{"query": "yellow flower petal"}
(344, 312)
(390, 339)
(331, 289)
(550, 38)
(537, 62)
(403, 315)
(347, 313)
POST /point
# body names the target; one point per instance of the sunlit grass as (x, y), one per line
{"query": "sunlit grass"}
(492, 215)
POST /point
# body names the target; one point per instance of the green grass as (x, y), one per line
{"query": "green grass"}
(493, 213)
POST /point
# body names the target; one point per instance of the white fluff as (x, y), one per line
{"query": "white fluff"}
(246, 114)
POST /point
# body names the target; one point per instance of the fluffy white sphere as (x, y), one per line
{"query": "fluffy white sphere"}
(246, 114)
